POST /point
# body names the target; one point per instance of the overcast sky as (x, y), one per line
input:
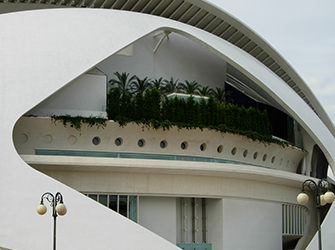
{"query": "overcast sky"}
(302, 31)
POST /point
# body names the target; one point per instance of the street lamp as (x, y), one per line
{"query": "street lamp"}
(322, 196)
(58, 208)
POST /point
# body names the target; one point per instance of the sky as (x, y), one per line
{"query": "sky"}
(302, 31)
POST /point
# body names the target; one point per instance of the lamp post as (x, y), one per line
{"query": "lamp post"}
(322, 196)
(58, 208)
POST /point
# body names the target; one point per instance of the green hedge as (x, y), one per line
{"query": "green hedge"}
(190, 114)
(77, 121)
(151, 111)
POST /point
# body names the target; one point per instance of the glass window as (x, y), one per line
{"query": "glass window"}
(133, 208)
(163, 144)
(118, 141)
(127, 205)
(93, 196)
(113, 202)
(103, 199)
(141, 143)
(123, 205)
(183, 145)
(96, 140)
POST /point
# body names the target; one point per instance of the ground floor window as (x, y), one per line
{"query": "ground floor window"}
(127, 205)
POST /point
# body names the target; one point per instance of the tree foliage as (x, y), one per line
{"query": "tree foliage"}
(171, 86)
(191, 88)
(159, 84)
(221, 95)
(123, 82)
(147, 107)
(140, 85)
(205, 91)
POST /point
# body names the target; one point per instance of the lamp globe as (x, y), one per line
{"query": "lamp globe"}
(41, 209)
(323, 200)
(302, 198)
(329, 196)
(61, 209)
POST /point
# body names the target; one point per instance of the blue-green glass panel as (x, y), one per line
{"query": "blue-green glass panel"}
(93, 196)
(103, 199)
(195, 246)
(133, 208)
(137, 156)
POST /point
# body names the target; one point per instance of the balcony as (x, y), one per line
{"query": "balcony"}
(38, 136)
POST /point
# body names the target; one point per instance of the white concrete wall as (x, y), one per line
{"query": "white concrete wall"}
(84, 96)
(244, 224)
(158, 214)
(177, 57)
(215, 223)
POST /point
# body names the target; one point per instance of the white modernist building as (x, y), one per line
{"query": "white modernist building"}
(137, 188)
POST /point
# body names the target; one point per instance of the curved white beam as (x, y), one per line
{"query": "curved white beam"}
(41, 51)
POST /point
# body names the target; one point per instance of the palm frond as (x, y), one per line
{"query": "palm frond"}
(190, 87)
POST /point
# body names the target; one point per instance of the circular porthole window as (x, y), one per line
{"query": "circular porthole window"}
(96, 140)
(141, 143)
(219, 149)
(118, 141)
(264, 157)
(233, 151)
(273, 159)
(203, 147)
(255, 155)
(245, 153)
(163, 144)
(23, 138)
(184, 145)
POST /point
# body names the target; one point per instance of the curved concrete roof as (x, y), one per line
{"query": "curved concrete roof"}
(205, 16)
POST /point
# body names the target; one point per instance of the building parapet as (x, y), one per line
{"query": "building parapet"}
(39, 134)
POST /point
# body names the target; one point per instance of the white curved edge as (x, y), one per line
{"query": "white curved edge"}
(44, 50)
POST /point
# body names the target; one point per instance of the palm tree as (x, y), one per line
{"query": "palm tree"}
(190, 87)
(122, 81)
(220, 95)
(140, 85)
(158, 83)
(171, 86)
(205, 91)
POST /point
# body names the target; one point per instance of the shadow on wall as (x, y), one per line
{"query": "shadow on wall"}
(319, 163)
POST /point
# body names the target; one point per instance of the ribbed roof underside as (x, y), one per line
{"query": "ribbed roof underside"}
(187, 12)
